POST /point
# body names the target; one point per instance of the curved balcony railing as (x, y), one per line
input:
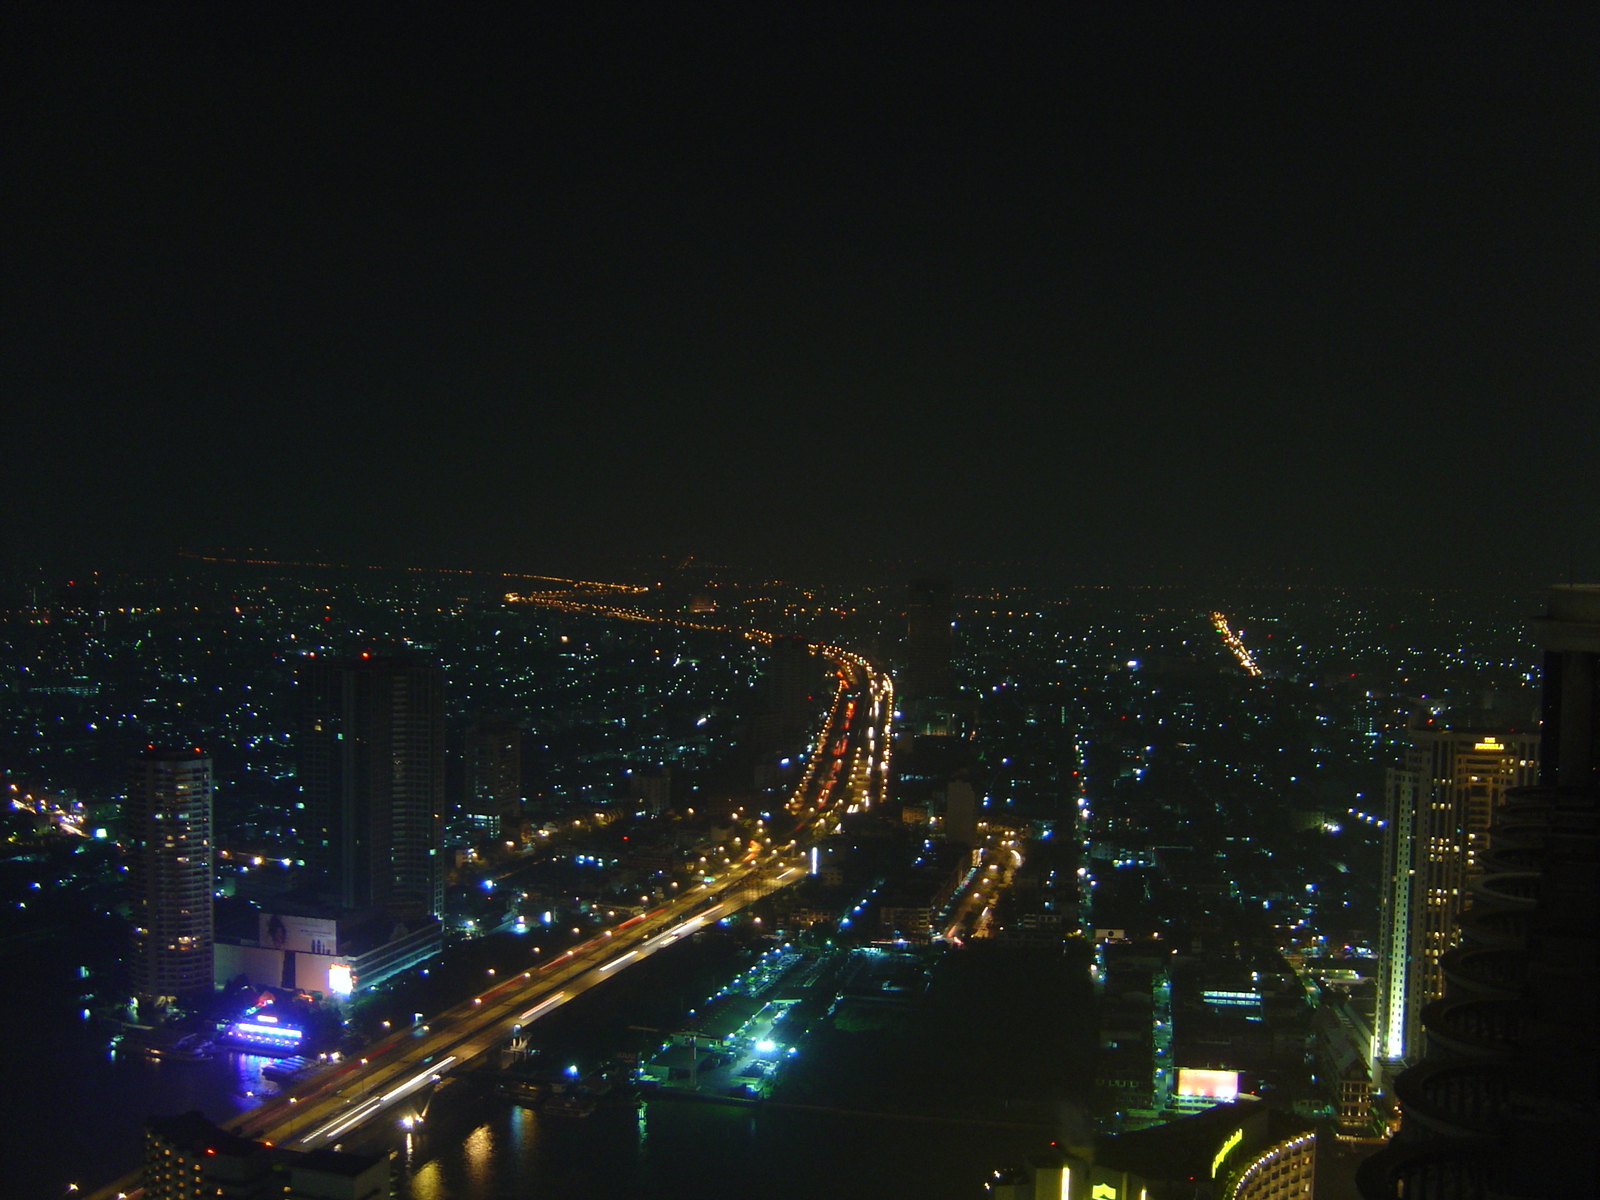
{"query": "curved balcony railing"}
(1483, 974)
(1475, 1029)
(1517, 832)
(1518, 860)
(1495, 929)
(1453, 1100)
(1548, 798)
(1509, 889)
(1429, 1171)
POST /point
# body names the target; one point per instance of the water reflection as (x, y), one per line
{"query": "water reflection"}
(252, 1088)
(677, 1150)
(478, 1152)
(427, 1182)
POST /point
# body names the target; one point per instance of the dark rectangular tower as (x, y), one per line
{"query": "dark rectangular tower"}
(929, 622)
(372, 772)
(494, 777)
(1569, 634)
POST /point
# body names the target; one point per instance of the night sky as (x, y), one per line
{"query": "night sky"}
(1290, 291)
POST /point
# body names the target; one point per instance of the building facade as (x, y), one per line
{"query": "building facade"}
(1236, 1151)
(924, 680)
(794, 695)
(1440, 803)
(1569, 635)
(494, 777)
(650, 790)
(189, 1158)
(171, 873)
(930, 615)
(1502, 1100)
(372, 774)
(186, 1157)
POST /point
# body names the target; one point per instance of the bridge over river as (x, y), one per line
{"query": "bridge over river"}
(847, 769)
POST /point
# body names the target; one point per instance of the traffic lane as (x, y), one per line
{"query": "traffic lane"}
(353, 1103)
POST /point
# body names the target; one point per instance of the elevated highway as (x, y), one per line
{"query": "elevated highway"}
(846, 770)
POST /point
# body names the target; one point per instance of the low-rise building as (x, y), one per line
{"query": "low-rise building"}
(186, 1157)
(332, 1175)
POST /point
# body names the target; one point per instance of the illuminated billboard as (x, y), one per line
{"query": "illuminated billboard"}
(311, 935)
(1221, 1086)
(340, 981)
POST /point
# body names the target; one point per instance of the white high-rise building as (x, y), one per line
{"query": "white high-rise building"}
(1440, 803)
(171, 873)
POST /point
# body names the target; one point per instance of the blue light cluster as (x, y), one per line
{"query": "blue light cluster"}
(265, 1031)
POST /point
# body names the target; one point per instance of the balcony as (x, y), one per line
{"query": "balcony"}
(1495, 929)
(1476, 1029)
(1453, 1100)
(1483, 974)
(1455, 1171)
(1512, 859)
(1508, 889)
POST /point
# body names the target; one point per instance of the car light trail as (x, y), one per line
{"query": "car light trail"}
(416, 1080)
(540, 1007)
(339, 1124)
(871, 754)
(1231, 640)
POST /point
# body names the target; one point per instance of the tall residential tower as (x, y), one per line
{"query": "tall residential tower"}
(1501, 1097)
(1441, 801)
(170, 873)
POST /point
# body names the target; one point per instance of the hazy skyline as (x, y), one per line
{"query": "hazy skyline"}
(1139, 293)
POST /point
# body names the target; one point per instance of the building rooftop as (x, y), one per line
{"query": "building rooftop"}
(1185, 1148)
(336, 1162)
(193, 1132)
(724, 1018)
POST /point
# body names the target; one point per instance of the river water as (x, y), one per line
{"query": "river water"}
(920, 1103)
(677, 1149)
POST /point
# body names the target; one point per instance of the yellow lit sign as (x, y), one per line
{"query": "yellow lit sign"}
(1489, 743)
(1234, 1139)
(1103, 1191)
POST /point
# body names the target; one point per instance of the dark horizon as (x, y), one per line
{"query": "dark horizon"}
(1113, 296)
(1521, 587)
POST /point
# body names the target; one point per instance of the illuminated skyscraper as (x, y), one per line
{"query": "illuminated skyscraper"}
(1440, 805)
(170, 873)
(1501, 1094)
(372, 773)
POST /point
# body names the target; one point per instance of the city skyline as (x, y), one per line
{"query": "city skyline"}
(998, 596)
(1123, 772)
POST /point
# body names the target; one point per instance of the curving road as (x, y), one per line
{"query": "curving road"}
(847, 770)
